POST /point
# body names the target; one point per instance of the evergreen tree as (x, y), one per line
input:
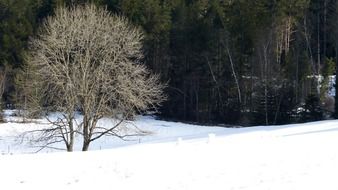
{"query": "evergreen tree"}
(243, 62)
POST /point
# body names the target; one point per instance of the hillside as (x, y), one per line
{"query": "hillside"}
(302, 156)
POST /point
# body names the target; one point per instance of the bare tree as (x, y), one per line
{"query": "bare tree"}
(28, 93)
(90, 61)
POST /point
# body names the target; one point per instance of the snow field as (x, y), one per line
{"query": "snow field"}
(185, 157)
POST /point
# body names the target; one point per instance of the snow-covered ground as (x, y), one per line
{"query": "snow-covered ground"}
(291, 157)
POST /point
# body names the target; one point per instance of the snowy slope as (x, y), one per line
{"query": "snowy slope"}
(291, 157)
(159, 131)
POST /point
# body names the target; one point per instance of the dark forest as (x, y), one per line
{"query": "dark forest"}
(238, 62)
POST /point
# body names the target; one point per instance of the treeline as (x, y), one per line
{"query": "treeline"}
(242, 62)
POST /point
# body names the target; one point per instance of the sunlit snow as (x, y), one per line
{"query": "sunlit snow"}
(180, 156)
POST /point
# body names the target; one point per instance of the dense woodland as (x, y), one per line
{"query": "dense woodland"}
(243, 62)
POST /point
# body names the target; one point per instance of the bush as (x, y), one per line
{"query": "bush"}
(313, 110)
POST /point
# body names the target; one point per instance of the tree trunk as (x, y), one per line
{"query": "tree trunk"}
(70, 144)
(70, 148)
(85, 146)
(86, 136)
(335, 115)
(318, 55)
(265, 52)
(324, 32)
(235, 77)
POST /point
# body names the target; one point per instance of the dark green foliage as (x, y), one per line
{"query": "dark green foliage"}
(240, 62)
(312, 110)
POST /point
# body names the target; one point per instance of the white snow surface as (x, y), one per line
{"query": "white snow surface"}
(179, 156)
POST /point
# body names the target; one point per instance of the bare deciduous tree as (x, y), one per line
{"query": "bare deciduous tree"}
(90, 61)
(28, 95)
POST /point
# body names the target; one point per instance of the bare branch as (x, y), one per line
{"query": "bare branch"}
(90, 60)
